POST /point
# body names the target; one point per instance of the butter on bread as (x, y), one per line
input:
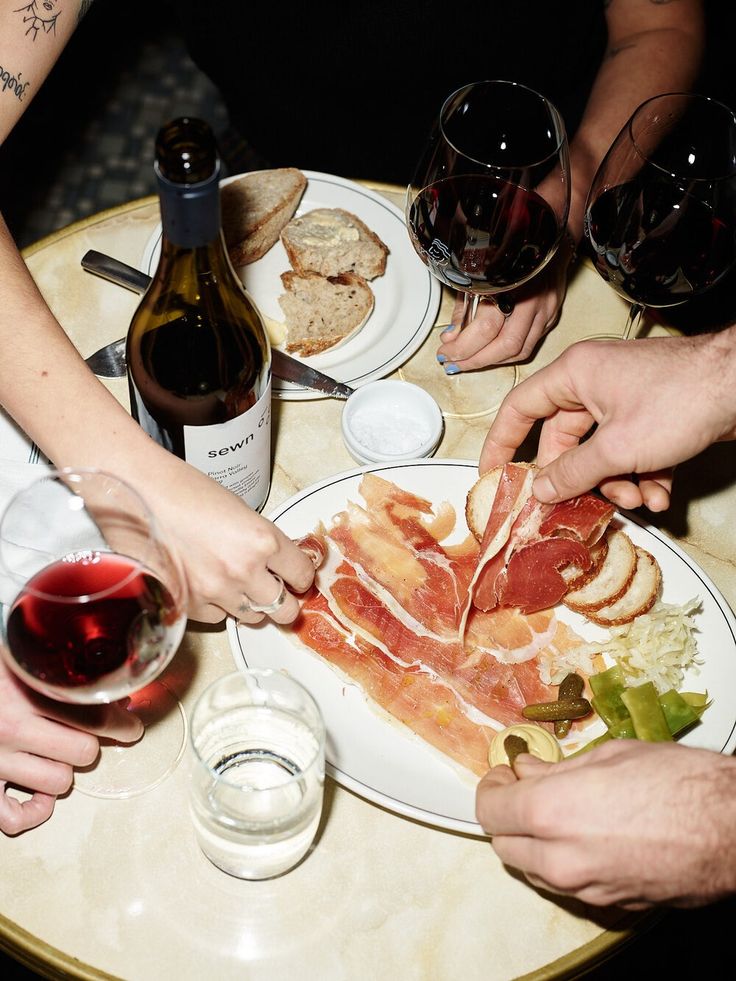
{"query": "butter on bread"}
(323, 311)
(331, 241)
(256, 207)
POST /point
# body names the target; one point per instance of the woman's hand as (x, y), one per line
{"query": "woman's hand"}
(232, 557)
(41, 742)
(491, 338)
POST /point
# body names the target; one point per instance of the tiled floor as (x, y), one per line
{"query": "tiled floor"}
(86, 142)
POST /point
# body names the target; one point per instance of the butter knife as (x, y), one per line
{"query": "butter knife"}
(109, 361)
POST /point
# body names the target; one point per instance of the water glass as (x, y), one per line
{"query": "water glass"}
(258, 750)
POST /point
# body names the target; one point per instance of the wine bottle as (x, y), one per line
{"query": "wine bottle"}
(199, 361)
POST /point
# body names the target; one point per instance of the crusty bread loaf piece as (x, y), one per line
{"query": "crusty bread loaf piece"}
(322, 312)
(612, 580)
(639, 598)
(255, 208)
(330, 241)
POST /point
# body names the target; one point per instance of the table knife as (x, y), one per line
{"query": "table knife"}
(109, 361)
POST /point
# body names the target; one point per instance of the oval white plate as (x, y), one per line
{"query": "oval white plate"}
(381, 760)
(407, 296)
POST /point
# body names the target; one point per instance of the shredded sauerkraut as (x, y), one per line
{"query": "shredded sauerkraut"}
(658, 646)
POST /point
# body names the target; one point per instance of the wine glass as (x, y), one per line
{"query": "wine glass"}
(99, 610)
(660, 211)
(487, 210)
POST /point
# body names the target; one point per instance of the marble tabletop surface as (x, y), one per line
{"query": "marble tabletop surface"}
(119, 888)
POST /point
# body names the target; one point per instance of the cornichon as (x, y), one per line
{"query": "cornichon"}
(570, 708)
(514, 745)
(571, 686)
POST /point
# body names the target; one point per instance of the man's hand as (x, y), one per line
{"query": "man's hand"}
(630, 824)
(654, 403)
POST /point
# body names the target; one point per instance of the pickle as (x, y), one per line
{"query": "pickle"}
(571, 686)
(569, 708)
(514, 745)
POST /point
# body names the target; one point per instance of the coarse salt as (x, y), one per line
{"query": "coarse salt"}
(389, 431)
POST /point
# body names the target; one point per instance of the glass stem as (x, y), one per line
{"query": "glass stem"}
(470, 305)
(633, 323)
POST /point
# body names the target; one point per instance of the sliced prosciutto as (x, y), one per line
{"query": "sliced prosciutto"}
(527, 544)
(429, 708)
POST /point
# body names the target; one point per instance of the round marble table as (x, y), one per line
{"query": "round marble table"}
(119, 888)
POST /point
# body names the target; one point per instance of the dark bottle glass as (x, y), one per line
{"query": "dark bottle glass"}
(199, 361)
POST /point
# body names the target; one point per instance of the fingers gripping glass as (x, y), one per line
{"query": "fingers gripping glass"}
(95, 608)
(488, 205)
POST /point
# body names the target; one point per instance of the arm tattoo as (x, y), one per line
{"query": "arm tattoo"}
(39, 16)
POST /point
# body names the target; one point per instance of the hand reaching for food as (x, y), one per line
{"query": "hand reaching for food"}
(633, 824)
(653, 404)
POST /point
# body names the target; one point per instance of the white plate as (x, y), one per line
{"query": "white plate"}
(384, 762)
(407, 296)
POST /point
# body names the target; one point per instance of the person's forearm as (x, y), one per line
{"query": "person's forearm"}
(652, 49)
(47, 388)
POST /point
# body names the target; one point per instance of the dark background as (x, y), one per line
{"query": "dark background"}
(86, 144)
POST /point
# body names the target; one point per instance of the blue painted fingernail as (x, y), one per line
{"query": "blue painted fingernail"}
(447, 330)
(441, 358)
(451, 369)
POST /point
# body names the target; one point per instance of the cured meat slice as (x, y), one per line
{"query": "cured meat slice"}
(524, 569)
(489, 680)
(389, 610)
(393, 546)
(428, 707)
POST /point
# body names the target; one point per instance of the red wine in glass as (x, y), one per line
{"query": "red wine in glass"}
(118, 638)
(661, 213)
(482, 234)
(100, 601)
(489, 201)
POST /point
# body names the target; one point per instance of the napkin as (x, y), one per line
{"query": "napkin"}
(14, 476)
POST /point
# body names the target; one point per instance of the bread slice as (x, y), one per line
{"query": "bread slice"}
(576, 577)
(323, 311)
(330, 241)
(255, 208)
(612, 580)
(480, 498)
(639, 598)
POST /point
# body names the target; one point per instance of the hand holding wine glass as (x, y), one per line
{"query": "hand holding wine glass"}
(661, 211)
(100, 604)
(488, 206)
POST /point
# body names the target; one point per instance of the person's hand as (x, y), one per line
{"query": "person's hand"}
(491, 338)
(630, 824)
(231, 555)
(655, 403)
(41, 742)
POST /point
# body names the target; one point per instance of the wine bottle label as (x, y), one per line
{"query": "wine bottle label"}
(236, 453)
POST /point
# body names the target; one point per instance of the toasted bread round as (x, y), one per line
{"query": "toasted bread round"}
(575, 577)
(480, 497)
(331, 241)
(322, 312)
(639, 598)
(612, 579)
(255, 208)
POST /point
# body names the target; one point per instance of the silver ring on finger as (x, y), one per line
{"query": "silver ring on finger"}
(248, 606)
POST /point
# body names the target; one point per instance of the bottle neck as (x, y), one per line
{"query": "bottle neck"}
(190, 213)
